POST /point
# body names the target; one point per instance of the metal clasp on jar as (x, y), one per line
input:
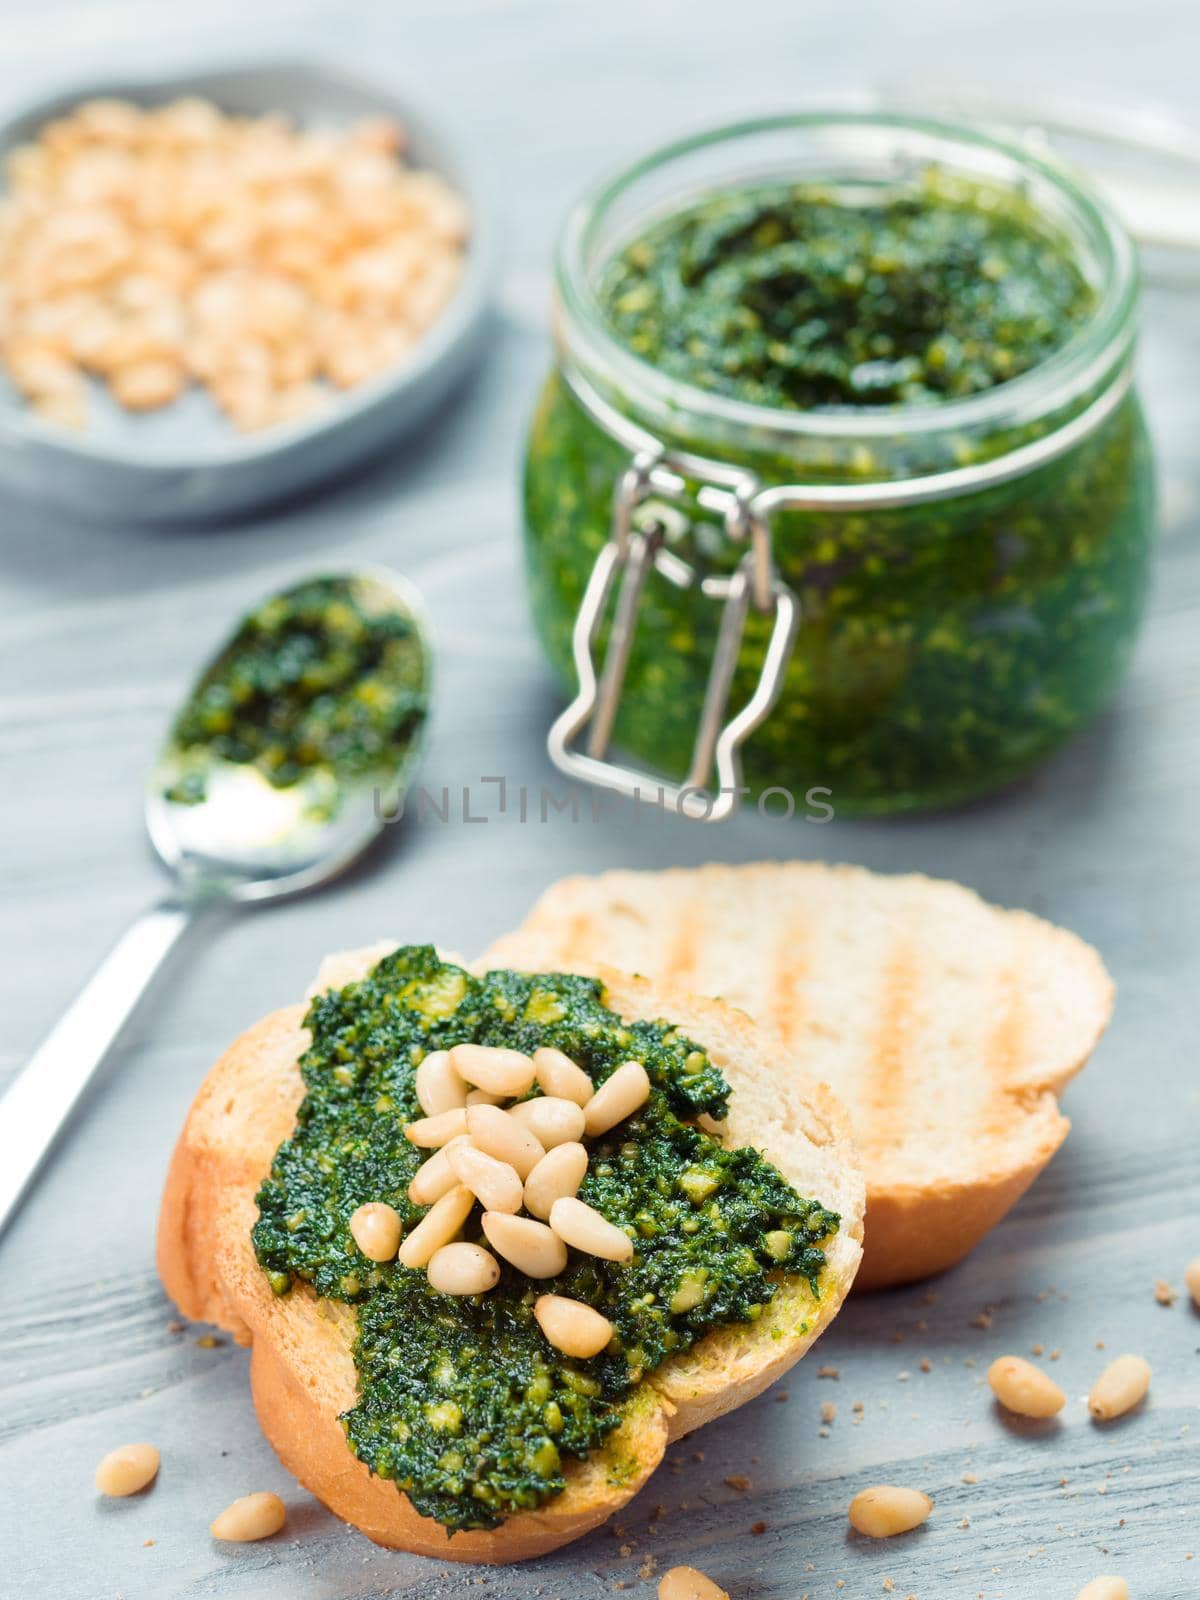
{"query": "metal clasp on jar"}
(638, 546)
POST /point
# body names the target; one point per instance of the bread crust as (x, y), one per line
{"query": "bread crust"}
(899, 990)
(301, 1367)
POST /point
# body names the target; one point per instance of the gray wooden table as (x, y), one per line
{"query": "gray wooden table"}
(99, 631)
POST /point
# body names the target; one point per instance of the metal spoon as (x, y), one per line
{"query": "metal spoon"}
(243, 843)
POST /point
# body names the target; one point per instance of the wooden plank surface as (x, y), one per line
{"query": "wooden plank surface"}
(99, 631)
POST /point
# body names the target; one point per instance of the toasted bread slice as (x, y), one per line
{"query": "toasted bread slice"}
(946, 1026)
(301, 1367)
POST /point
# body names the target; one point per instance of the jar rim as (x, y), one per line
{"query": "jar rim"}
(1095, 351)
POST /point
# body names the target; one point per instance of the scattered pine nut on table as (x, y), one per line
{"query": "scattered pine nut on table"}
(126, 1470)
(1122, 1385)
(1025, 1389)
(887, 1510)
(1106, 1588)
(252, 1517)
(685, 1583)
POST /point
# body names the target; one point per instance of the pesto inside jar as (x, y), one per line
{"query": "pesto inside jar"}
(461, 1400)
(946, 648)
(805, 296)
(325, 683)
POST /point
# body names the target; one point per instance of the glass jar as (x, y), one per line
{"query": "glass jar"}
(962, 581)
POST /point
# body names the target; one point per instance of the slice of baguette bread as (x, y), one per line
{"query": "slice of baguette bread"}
(946, 1026)
(301, 1366)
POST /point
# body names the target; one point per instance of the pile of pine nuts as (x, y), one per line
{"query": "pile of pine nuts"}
(152, 247)
(528, 1155)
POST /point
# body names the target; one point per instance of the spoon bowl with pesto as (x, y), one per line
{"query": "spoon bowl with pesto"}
(291, 753)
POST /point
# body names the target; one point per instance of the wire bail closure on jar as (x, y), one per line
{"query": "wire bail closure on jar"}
(638, 546)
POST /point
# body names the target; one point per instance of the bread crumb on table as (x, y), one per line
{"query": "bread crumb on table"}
(828, 1372)
(1163, 1292)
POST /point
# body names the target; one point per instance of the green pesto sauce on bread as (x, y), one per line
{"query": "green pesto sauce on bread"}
(461, 1400)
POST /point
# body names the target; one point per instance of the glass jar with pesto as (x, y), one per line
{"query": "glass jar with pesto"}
(839, 479)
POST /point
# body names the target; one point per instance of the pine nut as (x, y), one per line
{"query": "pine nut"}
(435, 1177)
(557, 1176)
(560, 1076)
(1121, 1386)
(884, 1511)
(532, 1247)
(376, 1229)
(439, 1087)
(430, 1133)
(505, 1072)
(127, 1469)
(480, 1097)
(572, 1327)
(685, 1583)
(617, 1098)
(254, 1516)
(463, 1269)
(551, 1119)
(437, 1227)
(499, 1134)
(494, 1182)
(579, 1224)
(1107, 1588)
(1025, 1389)
(1191, 1277)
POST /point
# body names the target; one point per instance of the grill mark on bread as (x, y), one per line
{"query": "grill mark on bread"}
(578, 938)
(786, 1002)
(684, 951)
(886, 1089)
(1004, 1051)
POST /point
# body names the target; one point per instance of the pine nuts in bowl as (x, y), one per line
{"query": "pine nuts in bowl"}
(173, 240)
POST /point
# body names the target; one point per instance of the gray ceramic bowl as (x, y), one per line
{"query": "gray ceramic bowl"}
(186, 461)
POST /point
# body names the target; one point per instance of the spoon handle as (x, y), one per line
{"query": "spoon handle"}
(40, 1099)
